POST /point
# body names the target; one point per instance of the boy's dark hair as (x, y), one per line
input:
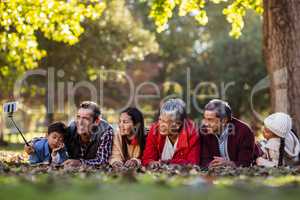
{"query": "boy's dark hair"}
(93, 107)
(58, 127)
(221, 108)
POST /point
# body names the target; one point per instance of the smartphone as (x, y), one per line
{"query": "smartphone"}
(10, 107)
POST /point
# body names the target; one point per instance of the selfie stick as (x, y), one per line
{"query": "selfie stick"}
(10, 115)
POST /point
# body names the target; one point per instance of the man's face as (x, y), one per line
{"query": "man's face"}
(84, 121)
(55, 139)
(168, 126)
(211, 122)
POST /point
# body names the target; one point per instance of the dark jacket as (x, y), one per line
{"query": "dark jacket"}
(241, 145)
(99, 149)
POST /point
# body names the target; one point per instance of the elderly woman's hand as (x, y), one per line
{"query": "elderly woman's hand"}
(154, 164)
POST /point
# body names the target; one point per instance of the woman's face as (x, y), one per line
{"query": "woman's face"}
(169, 126)
(126, 124)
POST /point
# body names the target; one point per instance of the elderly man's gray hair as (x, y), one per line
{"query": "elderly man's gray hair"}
(174, 108)
(221, 108)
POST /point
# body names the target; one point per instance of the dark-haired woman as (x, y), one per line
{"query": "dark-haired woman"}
(129, 141)
(282, 146)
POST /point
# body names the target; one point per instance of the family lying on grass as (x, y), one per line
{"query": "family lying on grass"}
(220, 140)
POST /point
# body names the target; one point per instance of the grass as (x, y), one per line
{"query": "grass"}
(16, 138)
(99, 187)
(20, 181)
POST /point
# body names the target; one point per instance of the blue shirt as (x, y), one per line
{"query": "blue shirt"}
(42, 153)
(223, 142)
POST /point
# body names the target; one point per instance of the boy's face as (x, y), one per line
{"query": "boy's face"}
(55, 139)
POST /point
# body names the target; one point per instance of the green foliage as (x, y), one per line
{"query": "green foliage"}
(111, 41)
(213, 56)
(57, 20)
(162, 11)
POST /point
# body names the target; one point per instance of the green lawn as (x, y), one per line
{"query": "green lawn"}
(21, 181)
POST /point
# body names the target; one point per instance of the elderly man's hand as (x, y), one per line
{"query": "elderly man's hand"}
(220, 161)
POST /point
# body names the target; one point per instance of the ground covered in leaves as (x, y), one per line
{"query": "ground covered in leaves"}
(19, 180)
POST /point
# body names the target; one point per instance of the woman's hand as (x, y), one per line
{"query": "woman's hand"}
(117, 164)
(132, 163)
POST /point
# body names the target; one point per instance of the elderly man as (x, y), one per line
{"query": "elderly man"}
(89, 138)
(225, 140)
(173, 139)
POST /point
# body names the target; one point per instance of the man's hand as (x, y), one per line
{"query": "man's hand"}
(72, 163)
(132, 163)
(29, 149)
(220, 161)
(154, 164)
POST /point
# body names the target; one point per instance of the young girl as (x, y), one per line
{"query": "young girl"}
(282, 146)
(129, 141)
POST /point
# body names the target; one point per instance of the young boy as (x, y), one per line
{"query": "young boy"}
(50, 149)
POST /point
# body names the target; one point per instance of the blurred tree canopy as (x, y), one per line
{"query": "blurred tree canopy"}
(122, 36)
(68, 35)
(207, 54)
(20, 20)
(234, 10)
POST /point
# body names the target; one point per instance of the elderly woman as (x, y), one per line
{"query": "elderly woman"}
(173, 139)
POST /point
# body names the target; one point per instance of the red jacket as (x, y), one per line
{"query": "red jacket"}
(241, 145)
(187, 150)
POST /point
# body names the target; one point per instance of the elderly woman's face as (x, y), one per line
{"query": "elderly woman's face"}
(168, 125)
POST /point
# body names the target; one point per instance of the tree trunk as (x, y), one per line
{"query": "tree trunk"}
(281, 32)
(2, 142)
